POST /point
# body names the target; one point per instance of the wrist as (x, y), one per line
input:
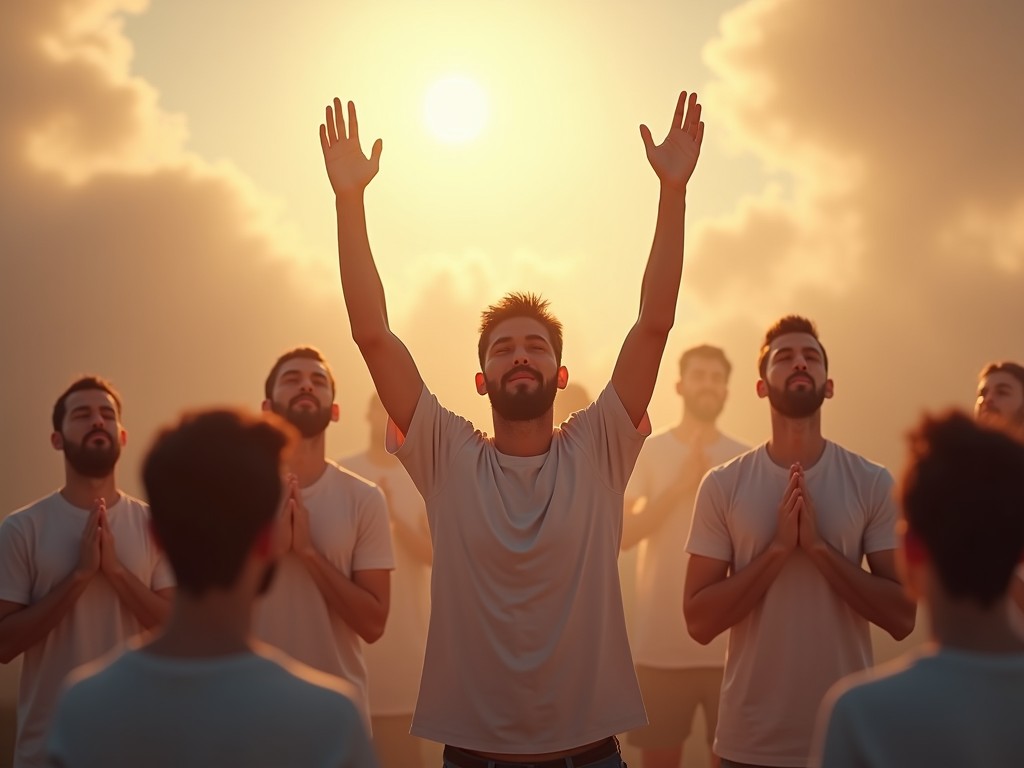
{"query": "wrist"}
(348, 197)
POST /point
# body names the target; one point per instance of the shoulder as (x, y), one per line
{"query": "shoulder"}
(734, 469)
(856, 464)
(350, 482)
(37, 507)
(311, 685)
(134, 506)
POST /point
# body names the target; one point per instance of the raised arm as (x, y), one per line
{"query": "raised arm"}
(391, 366)
(636, 369)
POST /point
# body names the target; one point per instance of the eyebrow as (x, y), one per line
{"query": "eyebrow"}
(529, 337)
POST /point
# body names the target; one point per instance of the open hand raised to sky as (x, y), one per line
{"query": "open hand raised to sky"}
(347, 167)
(676, 157)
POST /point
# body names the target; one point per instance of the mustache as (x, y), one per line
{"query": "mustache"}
(98, 431)
(799, 377)
(518, 370)
(305, 396)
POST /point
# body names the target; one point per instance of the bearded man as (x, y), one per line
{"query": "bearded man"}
(776, 546)
(79, 571)
(332, 587)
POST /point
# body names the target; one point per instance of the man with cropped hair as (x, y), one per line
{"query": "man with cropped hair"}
(79, 572)
(776, 546)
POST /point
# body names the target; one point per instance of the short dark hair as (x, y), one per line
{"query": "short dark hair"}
(304, 353)
(706, 352)
(963, 497)
(519, 305)
(82, 383)
(213, 481)
(782, 326)
(1005, 366)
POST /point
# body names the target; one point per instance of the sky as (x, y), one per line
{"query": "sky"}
(165, 219)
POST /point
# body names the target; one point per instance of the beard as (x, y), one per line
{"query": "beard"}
(704, 406)
(309, 423)
(1013, 422)
(796, 403)
(93, 461)
(521, 404)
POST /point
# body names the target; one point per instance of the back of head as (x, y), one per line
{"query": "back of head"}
(213, 481)
(519, 305)
(963, 498)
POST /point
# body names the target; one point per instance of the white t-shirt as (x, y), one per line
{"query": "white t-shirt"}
(395, 662)
(246, 710)
(660, 638)
(802, 637)
(527, 648)
(348, 524)
(40, 546)
(950, 708)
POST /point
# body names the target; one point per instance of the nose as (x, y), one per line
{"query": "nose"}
(521, 358)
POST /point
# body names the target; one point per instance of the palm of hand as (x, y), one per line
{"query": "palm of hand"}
(347, 167)
(676, 157)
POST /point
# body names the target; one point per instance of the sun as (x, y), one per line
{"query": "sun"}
(455, 109)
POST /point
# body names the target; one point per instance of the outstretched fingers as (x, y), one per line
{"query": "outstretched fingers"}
(677, 117)
(353, 124)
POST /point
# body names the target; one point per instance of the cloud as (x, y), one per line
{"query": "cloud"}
(901, 236)
(123, 253)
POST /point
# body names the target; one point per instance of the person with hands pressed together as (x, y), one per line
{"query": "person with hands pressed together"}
(677, 675)
(527, 659)
(775, 557)
(332, 588)
(79, 571)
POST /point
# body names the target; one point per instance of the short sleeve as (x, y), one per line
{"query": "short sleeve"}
(15, 566)
(880, 530)
(709, 532)
(373, 539)
(639, 485)
(435, 436)
(608, 435)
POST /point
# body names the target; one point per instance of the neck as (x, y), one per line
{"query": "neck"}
(796, 440)
(216, 624)
(691, 430)
(523, 438)
(307, 463)
(82, 492)
(965, 625)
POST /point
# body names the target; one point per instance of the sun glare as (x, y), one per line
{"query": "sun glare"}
(455, 109)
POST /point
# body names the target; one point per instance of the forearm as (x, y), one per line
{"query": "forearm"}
(878, 599)
(24, 628)
(360, 281)
(148, 607)
(354, 605)
(660, 289)
(720, 606)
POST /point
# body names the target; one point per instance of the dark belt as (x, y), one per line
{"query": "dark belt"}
(464, 759)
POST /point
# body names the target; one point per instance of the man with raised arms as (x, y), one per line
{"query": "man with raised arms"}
(527, 658)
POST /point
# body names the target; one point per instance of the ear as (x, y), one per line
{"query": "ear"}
(562, 377)
(679, 387)
(762, 389)
(57, 441)
(335, 412)
(123, 437)
(266, 406)
(829, 387)
(481, 384)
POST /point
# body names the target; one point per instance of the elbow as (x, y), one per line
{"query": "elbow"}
(699, 631)
(373, 631)
(367, 339)
(904, 623)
